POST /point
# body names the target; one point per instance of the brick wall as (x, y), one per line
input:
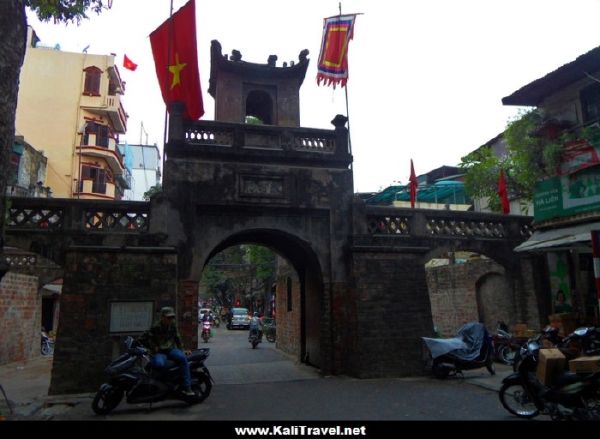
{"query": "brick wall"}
(93, 278)
(474, 291)
(392, 312)
(20, 317)
(288, 322)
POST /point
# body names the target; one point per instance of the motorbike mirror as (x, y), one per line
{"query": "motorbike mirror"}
(129, 341)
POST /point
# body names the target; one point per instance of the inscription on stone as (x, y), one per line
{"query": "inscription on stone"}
(261, 186)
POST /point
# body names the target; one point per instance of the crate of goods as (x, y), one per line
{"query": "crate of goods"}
(586, 364)
(565, 322)
(551, 363)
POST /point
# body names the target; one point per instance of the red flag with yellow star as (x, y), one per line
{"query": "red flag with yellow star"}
(176, 60)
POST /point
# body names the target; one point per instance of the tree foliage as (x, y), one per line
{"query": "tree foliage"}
(156, 189)
(534, 148)
(66, 10)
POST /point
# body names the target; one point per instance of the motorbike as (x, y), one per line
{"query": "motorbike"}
(205, 331)
(255, 337)
(271, 332)
(506, 346)
(572, 397)
(133, 376)
(217, 321)
(582, 341)
(47, 344)
(472, 348)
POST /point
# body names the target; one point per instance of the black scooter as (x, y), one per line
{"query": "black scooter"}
(572, 397)
(132, 375)
(472, 348)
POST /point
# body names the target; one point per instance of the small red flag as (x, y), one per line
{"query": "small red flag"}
(128, 64)
(502, 192)
(413, 185)
(176, 60)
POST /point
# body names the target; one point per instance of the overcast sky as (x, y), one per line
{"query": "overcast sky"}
(426, 76)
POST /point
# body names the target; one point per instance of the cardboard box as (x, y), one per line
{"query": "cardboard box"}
(585, 364)
(551, 363)
(565, 322)
(519, 330)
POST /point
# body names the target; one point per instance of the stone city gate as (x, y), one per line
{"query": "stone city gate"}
(361, 268)
(361, 277)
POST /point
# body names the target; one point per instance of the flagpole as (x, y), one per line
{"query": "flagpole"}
(166, 107)
(346, 93)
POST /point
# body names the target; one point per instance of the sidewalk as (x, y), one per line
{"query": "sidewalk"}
(26, 386)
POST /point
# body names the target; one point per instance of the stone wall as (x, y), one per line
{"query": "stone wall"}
(20, 317)
(94, 277)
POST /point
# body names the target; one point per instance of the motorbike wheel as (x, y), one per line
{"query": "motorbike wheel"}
(201, 386)
(516, 400)
(271, 337)
(491, 367)
(507, 354)
(106, 399)
(205, 338)
(439, 371)
(46, 349)
(254, 344)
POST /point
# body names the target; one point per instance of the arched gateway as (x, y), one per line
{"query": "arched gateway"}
(362, 284)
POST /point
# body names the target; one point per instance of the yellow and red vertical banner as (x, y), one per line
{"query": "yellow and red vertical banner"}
(333, 60)
(176, 60)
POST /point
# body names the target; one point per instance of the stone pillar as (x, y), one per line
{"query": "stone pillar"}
(95, 277)
(187, 312)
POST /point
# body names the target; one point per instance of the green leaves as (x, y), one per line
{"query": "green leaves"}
(66, 10)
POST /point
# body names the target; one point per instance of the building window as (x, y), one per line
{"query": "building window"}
(93, 76)
(590, 103)
(289, 293)
(13, 174)
(102, 133)
(98, 177)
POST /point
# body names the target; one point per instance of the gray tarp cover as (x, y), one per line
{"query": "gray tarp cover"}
(466, 345)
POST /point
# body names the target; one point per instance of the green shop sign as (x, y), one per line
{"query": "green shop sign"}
(567, 195)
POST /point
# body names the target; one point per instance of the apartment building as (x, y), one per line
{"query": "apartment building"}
(69, 107)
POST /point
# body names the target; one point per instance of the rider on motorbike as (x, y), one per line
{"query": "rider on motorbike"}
(164, 341)
(256, 325)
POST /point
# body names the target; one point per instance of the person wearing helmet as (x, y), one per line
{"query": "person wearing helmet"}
(255, 325)
(164, 341)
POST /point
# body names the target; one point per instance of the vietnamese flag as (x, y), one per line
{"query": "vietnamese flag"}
(176, 60)
(413, 185)
(128, 64)
(502, 192)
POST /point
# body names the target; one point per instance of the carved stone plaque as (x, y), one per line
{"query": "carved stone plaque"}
(262, 186)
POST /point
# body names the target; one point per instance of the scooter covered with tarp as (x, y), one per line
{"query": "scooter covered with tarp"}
(472, 348)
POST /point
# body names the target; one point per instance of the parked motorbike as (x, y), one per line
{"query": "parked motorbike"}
(573, 396)
(254, 337)
(47, 344)
(205, 331)
(582, 341)
(472, 348)
(132, 375)
(506, 346)
(271, 332)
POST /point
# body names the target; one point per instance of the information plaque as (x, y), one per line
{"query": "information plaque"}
(130, 316)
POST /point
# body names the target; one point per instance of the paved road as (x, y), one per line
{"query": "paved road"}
(264, 384)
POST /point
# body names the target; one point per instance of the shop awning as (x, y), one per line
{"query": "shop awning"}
(564, 237)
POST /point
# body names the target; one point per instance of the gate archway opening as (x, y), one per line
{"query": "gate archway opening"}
(297, 288)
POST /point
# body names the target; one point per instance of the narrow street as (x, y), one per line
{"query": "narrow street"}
(265, 384)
